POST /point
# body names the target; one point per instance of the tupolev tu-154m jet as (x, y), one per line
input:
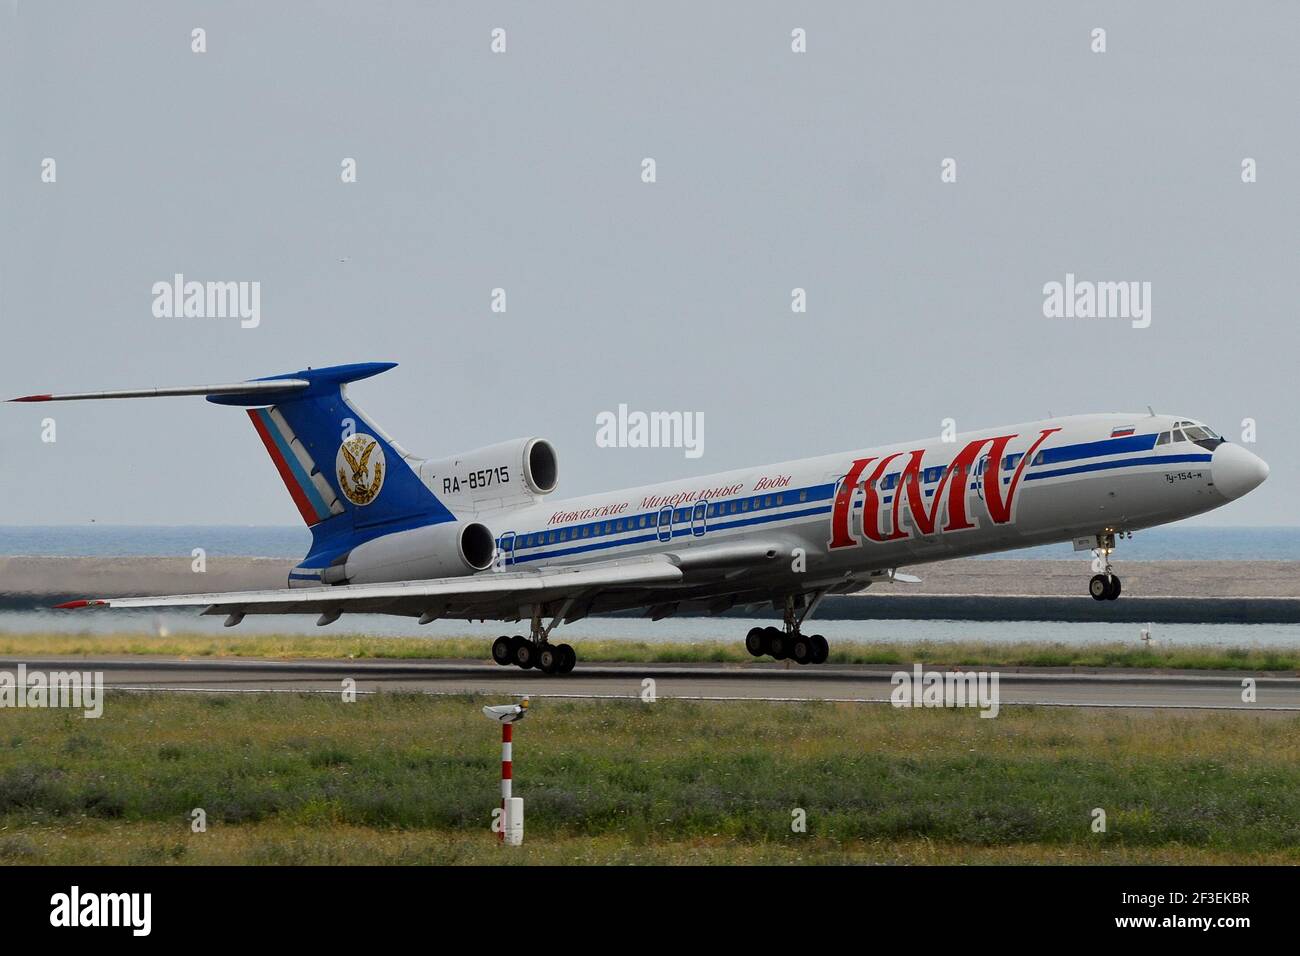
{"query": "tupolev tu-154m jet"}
(476, 536)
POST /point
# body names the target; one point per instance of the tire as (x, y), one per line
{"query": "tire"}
(801, 650)
(548, 659)
(778, 645)
(501, 651)
(1113, 593)
(755, 642)
(525, 656)
(821, 649)
(568, 659)
(1098, 587)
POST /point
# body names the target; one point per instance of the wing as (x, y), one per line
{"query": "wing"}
(489, 594)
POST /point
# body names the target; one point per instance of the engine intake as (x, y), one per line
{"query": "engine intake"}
(496, 475)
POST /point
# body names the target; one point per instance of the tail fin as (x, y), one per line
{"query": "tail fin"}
(348, 478)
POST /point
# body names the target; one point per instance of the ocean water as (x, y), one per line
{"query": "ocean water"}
(1191, 543)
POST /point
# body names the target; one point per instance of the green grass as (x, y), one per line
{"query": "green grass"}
(413, 779)
(970, 653)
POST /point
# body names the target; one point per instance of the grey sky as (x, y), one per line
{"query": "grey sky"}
(522, 171)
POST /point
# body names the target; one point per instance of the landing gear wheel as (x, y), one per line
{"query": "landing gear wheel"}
(502, 650)
(1098, 587)
(525, 654)
(755, 641)
(548, 659)
(821, 650)
(1113, 593)
(778, 645)
(568, 659)
(801, 651)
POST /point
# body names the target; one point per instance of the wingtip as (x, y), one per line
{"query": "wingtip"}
(32, 398)
(74, 605)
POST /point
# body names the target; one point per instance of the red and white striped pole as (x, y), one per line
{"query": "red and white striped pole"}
(511, 824)
(507, 749)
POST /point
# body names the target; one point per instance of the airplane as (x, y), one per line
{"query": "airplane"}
(476, 535)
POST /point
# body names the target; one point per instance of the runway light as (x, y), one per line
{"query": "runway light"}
(512, 807)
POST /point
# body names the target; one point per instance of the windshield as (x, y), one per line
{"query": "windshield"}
(1190, 431)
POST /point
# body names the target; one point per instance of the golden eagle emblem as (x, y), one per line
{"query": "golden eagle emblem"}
(360, 464)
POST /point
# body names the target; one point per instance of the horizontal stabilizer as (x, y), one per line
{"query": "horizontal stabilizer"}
(237, 388)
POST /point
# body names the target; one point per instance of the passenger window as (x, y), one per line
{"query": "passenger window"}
(744, 504)
(767, 502)
(779, 499)
(803, 496)
(564, 536)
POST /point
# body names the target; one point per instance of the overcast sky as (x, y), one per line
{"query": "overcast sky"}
(523, 170)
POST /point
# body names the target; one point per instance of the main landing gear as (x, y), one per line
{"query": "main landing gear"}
(536, 650)
(790, 643)
(1105, 585)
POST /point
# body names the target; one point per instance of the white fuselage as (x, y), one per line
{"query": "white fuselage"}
(992, 490)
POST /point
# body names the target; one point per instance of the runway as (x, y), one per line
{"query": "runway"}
(759, 681)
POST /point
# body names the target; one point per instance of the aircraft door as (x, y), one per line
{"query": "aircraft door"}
(980, 465)
(699, 518)
(665, 524)
(506, 550)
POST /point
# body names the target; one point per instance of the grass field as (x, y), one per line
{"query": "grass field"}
(473, 648)
(413, 779)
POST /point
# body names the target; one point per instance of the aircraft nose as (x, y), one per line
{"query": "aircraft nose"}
(1236, 471)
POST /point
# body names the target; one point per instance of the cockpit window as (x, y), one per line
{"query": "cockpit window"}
(1202, 435)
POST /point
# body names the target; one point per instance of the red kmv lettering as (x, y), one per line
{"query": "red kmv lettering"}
(923, 519)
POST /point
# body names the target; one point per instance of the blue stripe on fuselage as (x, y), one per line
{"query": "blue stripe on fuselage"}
(1122, 463)
(1096, 449)
(825, 491)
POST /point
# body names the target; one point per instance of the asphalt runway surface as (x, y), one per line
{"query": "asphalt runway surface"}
(759, 681)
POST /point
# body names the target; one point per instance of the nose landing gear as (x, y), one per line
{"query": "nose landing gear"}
(1105, 585)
